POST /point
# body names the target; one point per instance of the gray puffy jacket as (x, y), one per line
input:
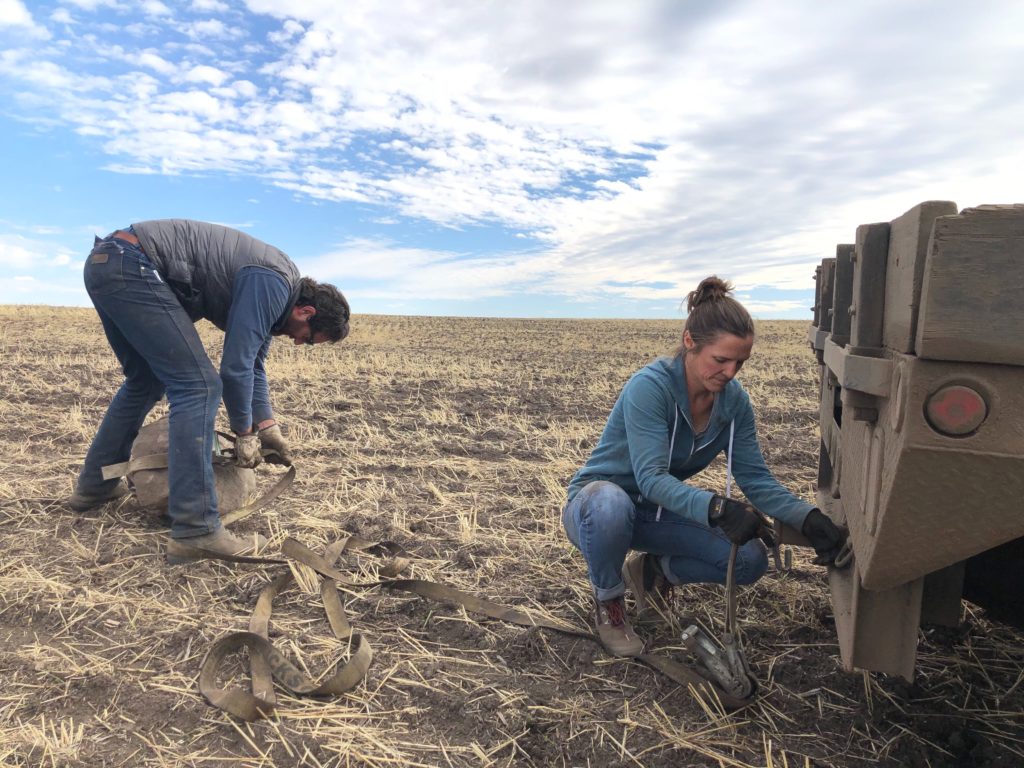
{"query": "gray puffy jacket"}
(199, 261)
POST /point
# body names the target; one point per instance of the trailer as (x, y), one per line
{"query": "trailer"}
(919, 336)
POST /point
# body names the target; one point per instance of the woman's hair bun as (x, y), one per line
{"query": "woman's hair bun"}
(710, 289)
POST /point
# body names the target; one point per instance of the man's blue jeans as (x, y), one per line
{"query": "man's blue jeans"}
(604, 524)
(159, 351)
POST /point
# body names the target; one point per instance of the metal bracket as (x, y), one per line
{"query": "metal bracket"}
(859, 373)
(817, 338)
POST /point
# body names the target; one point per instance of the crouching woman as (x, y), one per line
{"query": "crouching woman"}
(672, 418)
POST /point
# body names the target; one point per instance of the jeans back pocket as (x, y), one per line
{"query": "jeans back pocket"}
(104, 269)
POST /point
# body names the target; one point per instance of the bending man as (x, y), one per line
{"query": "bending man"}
(150, 283)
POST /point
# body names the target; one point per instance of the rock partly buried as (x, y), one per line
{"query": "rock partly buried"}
(235, 485)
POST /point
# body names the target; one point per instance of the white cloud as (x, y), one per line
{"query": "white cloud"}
(28, 289)
(190, 102)
(210, 28)
(645, 144)
(16, 252)
(209, 6)
(206, 74)
(131, 169)
(158, 63)
(154, 8)
(773, 309)
(288, 31)
(397, 272)
(37, 250)
(92, 5)
(13, 13)
(244, 89)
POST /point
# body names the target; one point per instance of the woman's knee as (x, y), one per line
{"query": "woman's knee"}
(607, 507)
(752, 562)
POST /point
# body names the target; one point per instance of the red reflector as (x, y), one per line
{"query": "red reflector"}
(956, 410)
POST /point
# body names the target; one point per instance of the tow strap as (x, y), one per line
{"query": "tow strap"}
(267, 664)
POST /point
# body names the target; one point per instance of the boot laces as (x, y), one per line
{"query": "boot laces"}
(616, 612)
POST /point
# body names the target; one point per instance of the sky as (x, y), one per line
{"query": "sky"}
(533, 158)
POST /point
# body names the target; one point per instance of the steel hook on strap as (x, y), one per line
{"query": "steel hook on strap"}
(845, 556)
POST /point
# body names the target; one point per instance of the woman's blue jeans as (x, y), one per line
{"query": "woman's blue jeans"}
(159, 351)
(604, 524)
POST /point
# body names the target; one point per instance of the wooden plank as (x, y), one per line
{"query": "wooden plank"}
(908, 244)
(828, 267)
(842, 297)
(972, 303)
(816, 309)
(872, 253)
(877, 629)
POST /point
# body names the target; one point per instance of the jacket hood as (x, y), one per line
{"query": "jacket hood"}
(671, 374)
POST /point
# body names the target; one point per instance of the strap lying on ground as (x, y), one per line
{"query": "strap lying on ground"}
(268, 664)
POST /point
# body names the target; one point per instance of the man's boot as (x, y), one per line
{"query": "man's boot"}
(650, 588)
(83, 502)
(614, 629)
(222, 541)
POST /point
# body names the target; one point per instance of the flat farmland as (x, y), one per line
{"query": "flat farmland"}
(455, 439)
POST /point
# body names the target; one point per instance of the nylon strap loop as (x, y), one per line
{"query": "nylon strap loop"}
(267, 664)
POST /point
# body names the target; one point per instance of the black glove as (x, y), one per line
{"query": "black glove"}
(739, 521)
(825, 537)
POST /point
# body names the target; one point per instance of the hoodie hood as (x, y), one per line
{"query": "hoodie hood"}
(671, 375)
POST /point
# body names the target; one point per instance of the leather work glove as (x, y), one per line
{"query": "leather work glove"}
(826, 538)
(739, 521)
(247, 451)
(271, 438)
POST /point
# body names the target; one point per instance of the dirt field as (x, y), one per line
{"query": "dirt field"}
(454, 438)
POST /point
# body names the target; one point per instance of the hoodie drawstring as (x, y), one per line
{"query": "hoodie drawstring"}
(728, 458)
(728, 461)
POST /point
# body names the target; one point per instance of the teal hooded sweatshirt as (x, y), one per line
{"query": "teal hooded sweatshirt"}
(633, 451)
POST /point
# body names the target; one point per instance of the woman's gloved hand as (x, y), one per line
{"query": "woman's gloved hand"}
(272, 438)
(826, 538)
(739, 521)
(247, 451)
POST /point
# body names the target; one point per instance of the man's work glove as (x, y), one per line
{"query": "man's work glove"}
(272, 439)
(824, 536)
(247, 451)
(739, 521)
